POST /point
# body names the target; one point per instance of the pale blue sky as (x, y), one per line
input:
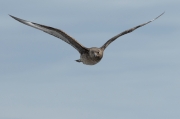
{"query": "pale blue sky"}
(138, 77)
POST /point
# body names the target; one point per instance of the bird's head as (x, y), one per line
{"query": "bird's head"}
(96, 53)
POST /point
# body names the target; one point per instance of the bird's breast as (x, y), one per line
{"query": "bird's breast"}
(86, 59)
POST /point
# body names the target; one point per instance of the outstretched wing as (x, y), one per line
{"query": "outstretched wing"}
(125, 32)
(55, 32)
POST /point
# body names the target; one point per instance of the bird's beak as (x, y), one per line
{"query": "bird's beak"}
(95, 54)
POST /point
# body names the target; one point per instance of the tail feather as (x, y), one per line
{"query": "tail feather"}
(79, 60)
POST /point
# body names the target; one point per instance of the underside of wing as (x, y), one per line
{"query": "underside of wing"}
(55, 32)
(126, 32)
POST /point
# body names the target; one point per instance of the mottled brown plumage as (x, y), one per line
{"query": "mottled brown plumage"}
(89, 56)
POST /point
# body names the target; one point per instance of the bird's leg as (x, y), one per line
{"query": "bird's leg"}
(79, 60)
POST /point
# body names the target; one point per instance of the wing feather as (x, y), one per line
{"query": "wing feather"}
(55, 32)
(126, 32)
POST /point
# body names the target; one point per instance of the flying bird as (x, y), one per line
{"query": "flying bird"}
(88, 56)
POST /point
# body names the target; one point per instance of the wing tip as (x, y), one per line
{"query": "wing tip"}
(20, 20)
(14, 17)
(11, 16)
(158, 16)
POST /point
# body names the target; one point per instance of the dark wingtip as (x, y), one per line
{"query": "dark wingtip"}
(18, 19)
(157, 17)
(13, 17)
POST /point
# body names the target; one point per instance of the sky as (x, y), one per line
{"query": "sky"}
(138, 77)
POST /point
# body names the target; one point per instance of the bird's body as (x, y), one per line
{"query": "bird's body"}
(88, 56)
(92, 57)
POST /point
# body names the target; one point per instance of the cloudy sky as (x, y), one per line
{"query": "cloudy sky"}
(138, 77)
